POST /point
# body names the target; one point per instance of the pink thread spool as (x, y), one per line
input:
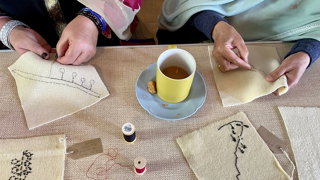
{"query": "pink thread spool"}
(140, 165)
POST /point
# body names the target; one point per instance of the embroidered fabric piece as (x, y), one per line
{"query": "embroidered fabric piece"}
(230, 149)
(303, 126)
(49, 91)
(21, 167)
(241, 86)
(33, 158)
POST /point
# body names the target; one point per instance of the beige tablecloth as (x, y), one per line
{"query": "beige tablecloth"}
(119, 68)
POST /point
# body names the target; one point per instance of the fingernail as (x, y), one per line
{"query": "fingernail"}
(44, 55)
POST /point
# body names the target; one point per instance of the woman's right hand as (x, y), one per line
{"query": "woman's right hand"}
(229, 51)
(25, 39)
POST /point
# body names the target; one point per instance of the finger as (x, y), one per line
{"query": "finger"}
(276, 92)
(70, 56)
(221, 62)
(218, 59)
(62, 47)
(230, 56)
(53, 50)
(67, 53)
(47, 47)
(243, 51)
(38, 49)
(43, 43)
(22, 51)
(291, 81)
(225, 66)
(274, 75)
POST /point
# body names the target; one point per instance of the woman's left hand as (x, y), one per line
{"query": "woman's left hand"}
(292, 67)
(78, 41)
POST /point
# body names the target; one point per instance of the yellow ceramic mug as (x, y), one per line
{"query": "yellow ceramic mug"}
(175, 72)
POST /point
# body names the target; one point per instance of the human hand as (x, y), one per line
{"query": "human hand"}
(226, 42)
(78, 41)
(292, 67)
(25, 39)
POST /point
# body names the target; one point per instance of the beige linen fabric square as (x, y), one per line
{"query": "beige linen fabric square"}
(242, 86)
(33, 158)
(49, 91)
(303, 124)
(230, 149)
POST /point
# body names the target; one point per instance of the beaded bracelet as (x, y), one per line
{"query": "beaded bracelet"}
(95, 18)
(6, 30)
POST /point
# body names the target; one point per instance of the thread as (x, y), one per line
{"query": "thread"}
(129, 133)
(140, 165)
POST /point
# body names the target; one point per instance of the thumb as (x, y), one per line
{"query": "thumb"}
(62, 47)
(274, 75)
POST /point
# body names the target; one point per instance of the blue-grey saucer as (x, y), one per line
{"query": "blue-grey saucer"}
(170, 111)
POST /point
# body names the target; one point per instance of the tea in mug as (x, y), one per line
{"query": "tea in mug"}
(175, 72)
(174, 75)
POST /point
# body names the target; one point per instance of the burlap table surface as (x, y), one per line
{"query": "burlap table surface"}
(119, 68)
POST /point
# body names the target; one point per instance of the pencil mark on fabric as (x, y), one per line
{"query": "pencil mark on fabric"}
(50, 68)
(60, 81)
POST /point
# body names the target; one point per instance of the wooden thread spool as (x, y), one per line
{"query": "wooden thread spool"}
(129, 133)
(140, 165)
